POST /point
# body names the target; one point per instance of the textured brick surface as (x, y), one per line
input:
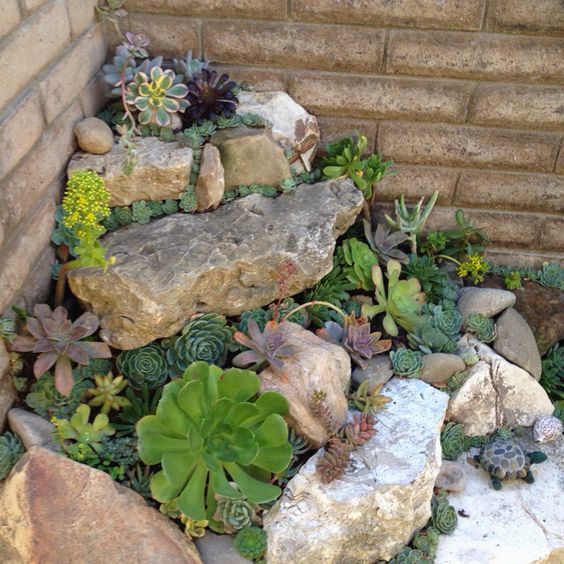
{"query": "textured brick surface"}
(464, 146)
(560, 162)
(82, 63)
(532, 192)
(454, 14)
(383, 97)
(507, 105)
(254, 9)
(44, 164)
(552, 234)
(259, 79)
(19, 130)
(94, 96)
(335, 128)
(171, 36)
(524, 16)
(294, 45)
(9, 16)
(31, 5)
(471, 55)
(521, 259)
(82, 14)
(23, 249)
(414, 182)
(31, 47)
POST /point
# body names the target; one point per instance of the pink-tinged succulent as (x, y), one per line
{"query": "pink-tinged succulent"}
(269, 346)
(136, 43)
(57, 340)
(355, 337)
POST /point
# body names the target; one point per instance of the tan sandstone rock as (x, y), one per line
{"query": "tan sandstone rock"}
(55, 510)
(227, 261)
(211, 180)
(318, 365)
(162, 171)
(94, 136)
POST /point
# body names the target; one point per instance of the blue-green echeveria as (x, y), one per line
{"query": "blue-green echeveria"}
(209, 430)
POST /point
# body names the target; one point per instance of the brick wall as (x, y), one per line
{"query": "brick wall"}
(466, 96)
(51, 53)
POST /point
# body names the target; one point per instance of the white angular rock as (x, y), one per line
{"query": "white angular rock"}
(317, 365)
(486, 301)
(292, 125)
(162, 171)
(497, 393)
(516, 343)
(383, 498)
(226, 261)
(521, 524)
(94, 136)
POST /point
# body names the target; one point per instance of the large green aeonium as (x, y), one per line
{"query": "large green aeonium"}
(208, 430)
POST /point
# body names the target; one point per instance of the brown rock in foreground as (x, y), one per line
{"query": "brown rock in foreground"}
(227, 261)
(211, 182)
(54, 510)
(317, 366)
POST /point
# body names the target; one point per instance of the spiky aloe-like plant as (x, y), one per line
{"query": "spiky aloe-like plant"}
(401, 302)
(355, 337)
(266, 346)
(208, 431)
(58, 341)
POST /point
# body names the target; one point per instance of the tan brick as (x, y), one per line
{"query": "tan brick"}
(32, 5)
(521, 258)
(260, 79)
(335, 128)
(523, 16)
(9, 16)
(81, 63)
(294, 45)
(94, 96)
(415, 182)
(552, 234)
(26, 245)
(19, 130)
(254, 9)
(171, 36)
(35, 43)
(44, 164)
(509, 105)
(471, 55)
(498, 190)
(82, 14)
(383, 97)
(508, 229)
(454, 14)
(465, 146)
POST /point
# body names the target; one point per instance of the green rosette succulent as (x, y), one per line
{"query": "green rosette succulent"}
(401, 302)
(208, 430)
(406, 362)
(552, 275)
(144, 367)
(443, 516)
(234, 514)
(482, 327)
(205, 337)
(452, 441)
(360, 259)
(10, 451)
(79, 429)
(251, 543)
(409, 555)
(448, 321)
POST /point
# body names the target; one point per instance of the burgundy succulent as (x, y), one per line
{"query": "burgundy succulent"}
(269, 346)
(355, 337)
(210, 96)
(57, 340)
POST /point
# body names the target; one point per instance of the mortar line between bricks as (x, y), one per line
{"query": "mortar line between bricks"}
(489, 8)
(558, 154)
(453, 196)
(384, 61)
(376, 26)
(288, 10)
(471, 102)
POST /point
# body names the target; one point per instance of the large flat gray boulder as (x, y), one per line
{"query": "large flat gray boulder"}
(242, 256)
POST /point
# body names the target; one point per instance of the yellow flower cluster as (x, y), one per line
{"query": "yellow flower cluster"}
(475, 266)
(85, 202)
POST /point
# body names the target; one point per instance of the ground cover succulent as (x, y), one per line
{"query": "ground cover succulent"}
(10, 451)
(401, 301)
(234, 514)
(59, 342)
(208, 430)
(250, 543)
(144, 367)
(481, 326)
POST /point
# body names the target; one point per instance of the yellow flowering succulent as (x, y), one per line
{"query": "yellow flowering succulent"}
(474, 266)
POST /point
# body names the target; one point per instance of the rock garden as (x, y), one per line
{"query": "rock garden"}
(248, 358)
